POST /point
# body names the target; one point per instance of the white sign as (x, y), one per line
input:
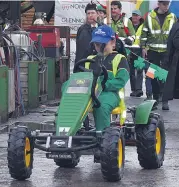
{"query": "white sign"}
(72, 13)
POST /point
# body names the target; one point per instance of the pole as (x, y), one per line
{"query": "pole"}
(108, 11)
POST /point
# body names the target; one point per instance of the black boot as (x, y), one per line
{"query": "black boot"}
(149, 97)
(139, 93)
(165, 105)
(133, 94)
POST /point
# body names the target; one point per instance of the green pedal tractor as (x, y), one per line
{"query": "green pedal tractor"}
(73, 137)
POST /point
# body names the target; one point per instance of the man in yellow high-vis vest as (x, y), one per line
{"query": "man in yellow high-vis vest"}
(118, 75)
(136, 76)
(155, 32)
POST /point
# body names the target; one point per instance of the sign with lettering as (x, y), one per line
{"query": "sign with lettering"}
(72, 12)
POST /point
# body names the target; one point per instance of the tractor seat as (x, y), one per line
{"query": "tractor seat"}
(116, 111)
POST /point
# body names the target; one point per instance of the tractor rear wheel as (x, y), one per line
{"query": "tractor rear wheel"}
(112, 154)
(151, 142)
(20, 153)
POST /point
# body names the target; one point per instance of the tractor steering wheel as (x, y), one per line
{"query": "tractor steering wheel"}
(78, 65)
(100, 70)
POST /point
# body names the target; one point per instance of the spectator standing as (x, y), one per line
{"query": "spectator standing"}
(155, 32)
(84, 33)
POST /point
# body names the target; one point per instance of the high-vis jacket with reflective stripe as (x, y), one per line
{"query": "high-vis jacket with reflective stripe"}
(137, 37)
(153, 35)
(118, 27)
(115, 63)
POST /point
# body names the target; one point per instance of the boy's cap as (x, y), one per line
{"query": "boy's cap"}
(103, 34)
(137, 12)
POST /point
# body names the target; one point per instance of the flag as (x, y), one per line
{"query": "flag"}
(143, 6)
(150, 72)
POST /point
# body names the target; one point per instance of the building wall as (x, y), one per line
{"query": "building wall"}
(26, 19)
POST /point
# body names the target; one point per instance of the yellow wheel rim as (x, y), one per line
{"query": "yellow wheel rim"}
(158, 141)
(120, 153)
(27, 152)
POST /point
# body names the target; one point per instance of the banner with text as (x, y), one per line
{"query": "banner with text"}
(68, 13)
(72, 13)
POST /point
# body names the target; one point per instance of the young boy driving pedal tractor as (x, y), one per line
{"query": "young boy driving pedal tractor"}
(118, 75)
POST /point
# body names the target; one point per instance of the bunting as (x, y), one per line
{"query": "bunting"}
(153, 71)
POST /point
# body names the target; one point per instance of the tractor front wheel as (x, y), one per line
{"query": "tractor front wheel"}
(112, 154)
(20, 153)
(151, 142)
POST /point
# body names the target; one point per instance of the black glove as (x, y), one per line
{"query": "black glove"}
(128, 41)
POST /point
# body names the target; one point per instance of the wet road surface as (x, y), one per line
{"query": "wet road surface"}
(88, 174)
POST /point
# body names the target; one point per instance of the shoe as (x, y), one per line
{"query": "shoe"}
(139, 93)
(165, 105)
(132, 94)
(149, 97)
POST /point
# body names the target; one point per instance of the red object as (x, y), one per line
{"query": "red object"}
(126, 30)
(105, 7)
(145, 15)
(50, 35)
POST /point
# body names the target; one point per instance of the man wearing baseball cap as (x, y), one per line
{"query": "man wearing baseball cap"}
(102, 16)
(136, 75)
(154, 37)
(118, 75)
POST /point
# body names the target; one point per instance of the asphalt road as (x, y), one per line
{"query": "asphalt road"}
(88, 174)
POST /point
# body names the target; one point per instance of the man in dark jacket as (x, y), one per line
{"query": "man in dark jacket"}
(171, 89)
(84, 33)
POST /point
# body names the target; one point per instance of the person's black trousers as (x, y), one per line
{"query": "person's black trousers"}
(136, 76)
(159, 59)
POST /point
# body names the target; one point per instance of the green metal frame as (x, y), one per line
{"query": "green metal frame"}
(51, 78)
(4, 93)
(74, 107)
(143, 111)
(33, 84)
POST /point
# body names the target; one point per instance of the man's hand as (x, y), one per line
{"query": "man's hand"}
(144, 53)
(128, 41)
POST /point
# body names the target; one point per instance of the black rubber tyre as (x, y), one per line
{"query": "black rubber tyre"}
(150, 147)
(68, 163)
(112, 154)
(20, 153)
